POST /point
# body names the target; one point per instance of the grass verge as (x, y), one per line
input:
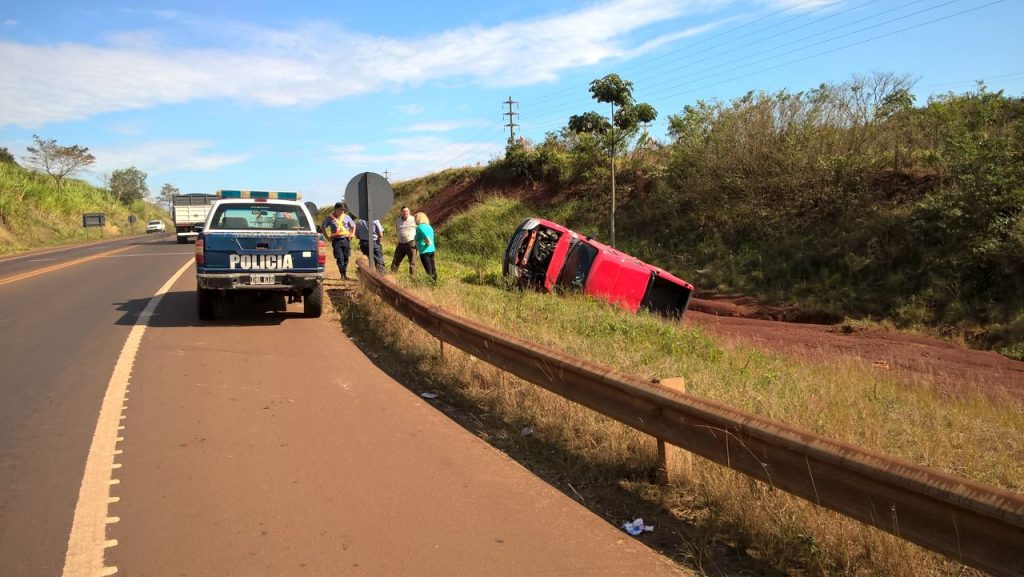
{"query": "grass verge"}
(710, 519)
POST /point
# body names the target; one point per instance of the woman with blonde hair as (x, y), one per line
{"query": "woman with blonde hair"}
(425, 244)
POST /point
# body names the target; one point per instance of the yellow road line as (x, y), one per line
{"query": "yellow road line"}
(38, 272)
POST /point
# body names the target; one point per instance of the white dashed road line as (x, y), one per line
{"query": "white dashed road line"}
(88, 539)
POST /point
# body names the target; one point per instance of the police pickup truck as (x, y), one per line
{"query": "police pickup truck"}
(259, 243)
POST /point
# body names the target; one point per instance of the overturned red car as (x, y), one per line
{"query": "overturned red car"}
(550, 257)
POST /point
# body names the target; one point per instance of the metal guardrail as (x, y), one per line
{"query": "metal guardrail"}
(969, 522)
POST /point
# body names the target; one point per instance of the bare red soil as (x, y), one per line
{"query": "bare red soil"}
(951, 367)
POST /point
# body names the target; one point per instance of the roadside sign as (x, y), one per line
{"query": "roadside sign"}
(93, 219)
(369, 196)
(311, 207)
(90, 219)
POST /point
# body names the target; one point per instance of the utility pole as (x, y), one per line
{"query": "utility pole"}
(511, 120)
(387, 175)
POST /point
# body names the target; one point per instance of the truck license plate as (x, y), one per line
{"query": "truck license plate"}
(261, 279)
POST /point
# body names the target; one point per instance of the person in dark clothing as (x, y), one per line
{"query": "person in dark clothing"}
(363, 234)
(339, 227)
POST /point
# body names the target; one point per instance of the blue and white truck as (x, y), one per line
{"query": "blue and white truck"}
(259, 243)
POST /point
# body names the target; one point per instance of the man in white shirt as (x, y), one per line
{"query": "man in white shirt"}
(405, 226)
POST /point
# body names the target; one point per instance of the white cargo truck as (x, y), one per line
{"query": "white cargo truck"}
(190, 212)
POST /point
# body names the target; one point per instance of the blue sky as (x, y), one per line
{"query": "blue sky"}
(303, 96)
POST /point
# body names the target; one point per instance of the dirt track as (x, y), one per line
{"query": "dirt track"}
(950, 366)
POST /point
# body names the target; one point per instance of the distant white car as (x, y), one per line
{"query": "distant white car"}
(156, 226)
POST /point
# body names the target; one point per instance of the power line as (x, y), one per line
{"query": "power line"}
(583, 100)
(722, 68)
(672, 85)
(733, 65)
(851, 45)
(709, 38)
(687, 49)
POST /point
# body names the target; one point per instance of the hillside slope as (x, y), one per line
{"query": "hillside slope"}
(34, 214)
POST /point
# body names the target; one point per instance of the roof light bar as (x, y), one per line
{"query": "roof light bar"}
(259, 194)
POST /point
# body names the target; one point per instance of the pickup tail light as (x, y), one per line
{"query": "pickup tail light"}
(200, 252)
(321, 252)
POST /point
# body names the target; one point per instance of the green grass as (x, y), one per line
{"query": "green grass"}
(34, 214)
(969, 435)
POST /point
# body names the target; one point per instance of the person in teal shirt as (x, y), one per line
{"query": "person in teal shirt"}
(425, 244)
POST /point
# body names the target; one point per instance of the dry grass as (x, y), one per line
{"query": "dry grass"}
(710, 519)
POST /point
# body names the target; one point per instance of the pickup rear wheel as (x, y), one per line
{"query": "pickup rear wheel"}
(313, 303)
(207, 301)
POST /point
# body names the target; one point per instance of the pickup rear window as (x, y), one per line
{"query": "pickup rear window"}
(259, 216)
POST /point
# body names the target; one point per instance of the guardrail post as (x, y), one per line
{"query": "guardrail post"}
(665, 458)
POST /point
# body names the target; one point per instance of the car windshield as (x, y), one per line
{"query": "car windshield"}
(577, 266)
(156, 222)
(259, 216)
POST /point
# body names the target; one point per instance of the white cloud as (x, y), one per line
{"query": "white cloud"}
(126, 128)
(308, 65)
(164, 156)
(411, 109)
(411, 157)
(669, 38)
(138, 39)
(10, 22)
(801, 5)
(444, 126)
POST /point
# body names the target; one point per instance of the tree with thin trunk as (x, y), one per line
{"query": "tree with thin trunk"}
(624, 124)
(167, 192)
(56, 160)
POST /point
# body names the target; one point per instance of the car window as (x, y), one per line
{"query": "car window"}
(577, 266)
(156, 222)
(259, 216)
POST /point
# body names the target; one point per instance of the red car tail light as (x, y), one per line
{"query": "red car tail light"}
(321, 252)
(200, 252)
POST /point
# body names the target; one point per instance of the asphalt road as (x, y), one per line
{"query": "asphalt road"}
(263, 443)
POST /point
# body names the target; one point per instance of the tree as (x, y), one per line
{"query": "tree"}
(896, 108)
(56, 160)
(625, 122)
(128, 185)
(167, 192)
(589, 122)
(5, 156)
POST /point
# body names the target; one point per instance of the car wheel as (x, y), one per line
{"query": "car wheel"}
(207, 303)
(313, 303)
